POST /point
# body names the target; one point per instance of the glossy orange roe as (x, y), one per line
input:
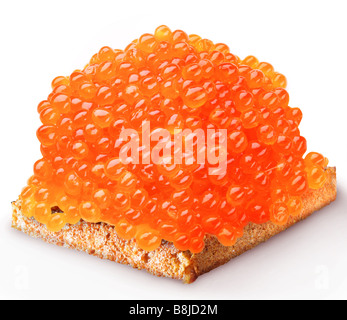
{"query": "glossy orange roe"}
(175, 81)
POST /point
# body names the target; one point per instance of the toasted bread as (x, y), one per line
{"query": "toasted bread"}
(101, 240)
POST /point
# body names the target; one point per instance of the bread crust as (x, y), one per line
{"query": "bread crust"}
(101, 240)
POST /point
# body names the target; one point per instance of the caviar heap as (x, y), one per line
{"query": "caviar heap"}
(174, 81)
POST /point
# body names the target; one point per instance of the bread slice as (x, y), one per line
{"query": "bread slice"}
(101, 240)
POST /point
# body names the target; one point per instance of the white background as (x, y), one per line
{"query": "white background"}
(305, 40)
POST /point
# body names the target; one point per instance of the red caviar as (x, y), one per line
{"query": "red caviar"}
(176, 81)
